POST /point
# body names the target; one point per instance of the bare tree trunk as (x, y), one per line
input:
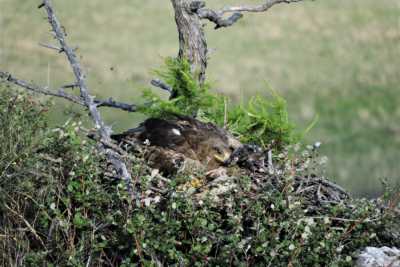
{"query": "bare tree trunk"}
(192, 41)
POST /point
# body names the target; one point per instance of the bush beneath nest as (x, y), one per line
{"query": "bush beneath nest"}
(59, 207)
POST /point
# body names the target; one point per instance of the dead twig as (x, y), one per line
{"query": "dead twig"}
(62, 94)
(103, 130)
(217, 16)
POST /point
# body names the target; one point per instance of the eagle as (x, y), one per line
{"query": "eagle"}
(170, 143)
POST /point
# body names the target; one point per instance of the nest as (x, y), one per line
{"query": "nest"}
(167, 162)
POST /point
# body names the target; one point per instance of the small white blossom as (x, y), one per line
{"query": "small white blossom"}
(147, 202)
(339, 249)
(317, 145)
(304, 235)
(292, 247)
(146, 142)
(310, 221)
(372, 235)
(157, 199)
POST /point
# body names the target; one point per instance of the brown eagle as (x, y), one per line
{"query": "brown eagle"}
(171, 142)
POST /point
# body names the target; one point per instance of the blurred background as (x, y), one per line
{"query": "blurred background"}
(335, 59)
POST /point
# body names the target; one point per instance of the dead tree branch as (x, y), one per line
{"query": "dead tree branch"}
(62, 94)
(34, 88)
(255, 8)
(85, 99)
(160, 84)
(189, 16)
(111, 103)
(217, 17)
(104, 131)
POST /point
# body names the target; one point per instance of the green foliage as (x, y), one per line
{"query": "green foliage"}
(21, 119)
(263, 120)
(190, 96)
(71, 214)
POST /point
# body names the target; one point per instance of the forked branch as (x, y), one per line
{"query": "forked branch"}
(103, 130)
(85, 99)
(255, 8)
(217, 16)
(5, 76)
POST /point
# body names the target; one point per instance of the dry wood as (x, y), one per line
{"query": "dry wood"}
(62, 94)
(85, 99)
(192, 39)
(103, 130)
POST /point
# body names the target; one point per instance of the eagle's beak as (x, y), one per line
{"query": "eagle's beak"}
(223, 158)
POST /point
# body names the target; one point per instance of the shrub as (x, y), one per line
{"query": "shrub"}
(188, 97)
(262, 121)
(58, 207)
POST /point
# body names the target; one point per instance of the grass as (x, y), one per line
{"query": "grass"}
(338, 59)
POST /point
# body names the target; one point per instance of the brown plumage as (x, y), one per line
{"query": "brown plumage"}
(172, 141)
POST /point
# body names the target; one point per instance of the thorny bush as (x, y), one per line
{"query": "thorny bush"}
(58, 208)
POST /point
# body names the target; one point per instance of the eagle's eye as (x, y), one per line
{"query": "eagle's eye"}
(218, 149)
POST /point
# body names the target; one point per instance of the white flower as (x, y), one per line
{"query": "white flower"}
(317, 145)
(339, 249)
(291, 247)
(147, 202)
(157, 199)
(146, 142)
(310, 221)
(348, 258)
(372, 235)
(85, 158)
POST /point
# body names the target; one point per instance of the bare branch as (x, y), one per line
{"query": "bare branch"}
(255, 8)
(218, 19)
(53, 47)
(103, 130)
(62, 94)
(34, 88)
(115, 104)
(69, 86)
(160, 84)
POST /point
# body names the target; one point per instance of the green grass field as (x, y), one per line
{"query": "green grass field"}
(337, 59)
